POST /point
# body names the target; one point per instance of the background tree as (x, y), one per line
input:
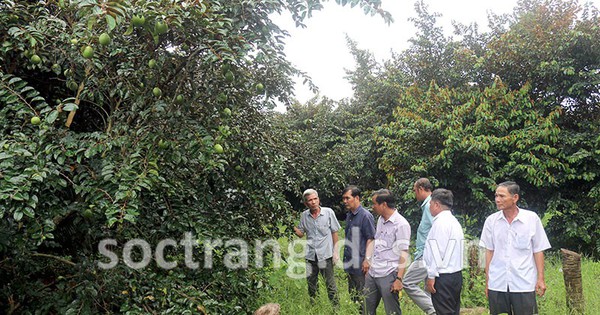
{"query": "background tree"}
(539, 66)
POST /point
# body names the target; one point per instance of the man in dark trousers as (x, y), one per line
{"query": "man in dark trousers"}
(320, 226)
(360, 232)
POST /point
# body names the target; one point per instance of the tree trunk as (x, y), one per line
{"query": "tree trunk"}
(571, 262)
(474, 269)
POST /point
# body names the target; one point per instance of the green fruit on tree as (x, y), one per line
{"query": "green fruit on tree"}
(225, 67)
(238, 168)
(157, 92)
(163, 144)
(74, 41)
(72, 85)
(260, 87)
(218, 148)
(138, 21)
(222, 98)
(88, 52)
(179, 99)
(35, 120)
(56, 68)
(227, 112)
(35, 59)
(151, 63)
(160, 27)
(229, 76)
(88, 213)
(104, 39)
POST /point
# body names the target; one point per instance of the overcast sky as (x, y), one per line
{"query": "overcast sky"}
(320, 49)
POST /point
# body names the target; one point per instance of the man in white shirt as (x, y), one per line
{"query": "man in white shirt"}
(515, 241)
(443, 254)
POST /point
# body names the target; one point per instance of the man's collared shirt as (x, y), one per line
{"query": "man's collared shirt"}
(318, 233)
(360, 227)
(424, 227)
(444, 246)
(514, 244)
(392, 237)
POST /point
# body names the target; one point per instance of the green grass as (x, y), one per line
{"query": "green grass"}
(554, 301)
(292, 294)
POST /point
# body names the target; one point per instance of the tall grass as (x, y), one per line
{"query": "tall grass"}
(292, 294)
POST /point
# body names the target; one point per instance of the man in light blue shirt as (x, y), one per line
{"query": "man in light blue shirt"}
(417, 271)
(320, 226)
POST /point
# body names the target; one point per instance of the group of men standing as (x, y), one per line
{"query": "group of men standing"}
(376, 256)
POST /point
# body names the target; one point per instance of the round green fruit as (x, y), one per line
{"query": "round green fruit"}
(163, 144)
(151, 63)
(179, 99)
(88, 52)
(157, 92)
(88, 214)
(104, 39)
(56, 68)
(160, 27)
(260, 87)
(35, 120)
(72, 85)
(35, 59)
(222, 98)
(225, 67)
(138, 21)
(74, 41)
(238, 168)
(227, 112)
(218, 148)
(229, 76)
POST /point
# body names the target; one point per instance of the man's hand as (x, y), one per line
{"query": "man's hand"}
(486, 287)
(365, 266)
(396, 286)
(430, 286)
(298, 232)
(540, 287)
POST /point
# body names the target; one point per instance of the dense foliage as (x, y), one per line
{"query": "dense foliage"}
(519, 102)
(139, 120)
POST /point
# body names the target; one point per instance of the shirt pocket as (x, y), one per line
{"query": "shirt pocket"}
(522, 241)
(323, 229)
(386, 239)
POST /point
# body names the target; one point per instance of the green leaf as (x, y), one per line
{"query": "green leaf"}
(69, 107)
(111, 22)
(18, 215)
(51, 118)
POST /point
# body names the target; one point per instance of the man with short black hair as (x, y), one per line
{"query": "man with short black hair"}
(360, 232)
(387, 256)
(515, 242)
(443, 254)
